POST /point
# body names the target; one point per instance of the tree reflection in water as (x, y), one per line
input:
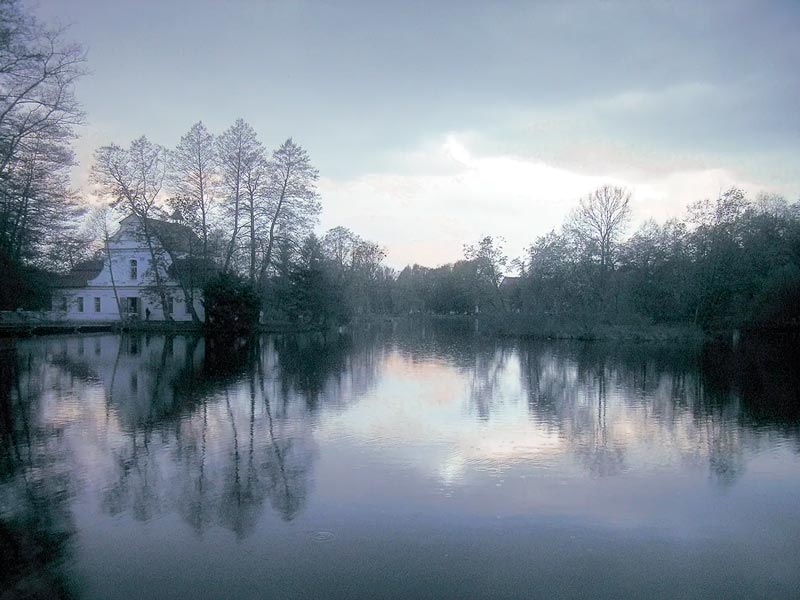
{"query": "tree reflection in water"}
(36, 526)
(699, 403)
(216, 453)
(694, 401)
(211, 429)
(214, 430)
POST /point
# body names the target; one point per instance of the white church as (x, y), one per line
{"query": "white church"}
(119, 287)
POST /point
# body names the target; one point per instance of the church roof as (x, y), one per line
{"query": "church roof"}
(174, 237)
(80, 275)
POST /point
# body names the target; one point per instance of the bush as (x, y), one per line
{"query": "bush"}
(231, 304)
(23, 288)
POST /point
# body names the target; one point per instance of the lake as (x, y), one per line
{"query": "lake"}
(414, 461)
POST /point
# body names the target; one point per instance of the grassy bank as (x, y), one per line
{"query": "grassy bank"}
(519, 325)
(525, 326)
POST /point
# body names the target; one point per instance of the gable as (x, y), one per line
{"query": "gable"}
(173, 237)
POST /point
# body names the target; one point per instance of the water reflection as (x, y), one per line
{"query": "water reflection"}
(36, 526)
(223, 434)
(675, 404)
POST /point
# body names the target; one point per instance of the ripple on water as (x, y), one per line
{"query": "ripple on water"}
(321, 536)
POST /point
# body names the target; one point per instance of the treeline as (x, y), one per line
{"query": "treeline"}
(731, 262)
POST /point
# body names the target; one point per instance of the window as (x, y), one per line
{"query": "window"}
(170, 305)
(97, 305)
(132, 307)
(63, 304)
(134, 268)
(80, 304)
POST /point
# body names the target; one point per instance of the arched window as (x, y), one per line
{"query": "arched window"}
(134, 268)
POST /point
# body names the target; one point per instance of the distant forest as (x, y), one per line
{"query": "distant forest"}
(732, 261)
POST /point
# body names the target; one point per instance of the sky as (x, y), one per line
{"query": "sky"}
(435, 123)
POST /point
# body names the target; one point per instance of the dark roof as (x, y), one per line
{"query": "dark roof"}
(174, 236)
(80, 275)
(191, 271)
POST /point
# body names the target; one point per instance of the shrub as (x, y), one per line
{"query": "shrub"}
(231, 304)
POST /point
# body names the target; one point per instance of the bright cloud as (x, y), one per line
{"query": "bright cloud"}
(426, 218)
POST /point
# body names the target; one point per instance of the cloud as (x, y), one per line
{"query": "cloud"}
(426, 218)
(657, 99)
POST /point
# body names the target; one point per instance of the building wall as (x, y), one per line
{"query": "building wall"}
(125, 248)
(120, 263)
(108, 304)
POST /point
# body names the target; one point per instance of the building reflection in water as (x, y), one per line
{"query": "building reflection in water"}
(217, 431)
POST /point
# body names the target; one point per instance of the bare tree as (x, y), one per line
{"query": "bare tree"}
(100, 224)
(133, 178)
(238, 149)
(255, 204)
(339, 245)
(600, 220)
(293, 195)
(38, 111)
(193, 176)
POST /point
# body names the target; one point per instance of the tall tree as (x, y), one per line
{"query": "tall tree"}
(132, 178)
(294, 202)
(38, 112)
(193, 175)
(490, 263)
(238, 150)
(716, 243)
(600, 220)
(100, 221)
(339, 244)
(255, 204)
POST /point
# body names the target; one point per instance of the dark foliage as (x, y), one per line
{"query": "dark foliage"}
(732, 263)
(231, 304)
(311, 296)
(22, 287)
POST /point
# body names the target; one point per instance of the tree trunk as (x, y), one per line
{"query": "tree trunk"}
(111, 272)
(156, 274)
(270, 243)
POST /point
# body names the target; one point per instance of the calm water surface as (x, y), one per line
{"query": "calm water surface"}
(419, 462)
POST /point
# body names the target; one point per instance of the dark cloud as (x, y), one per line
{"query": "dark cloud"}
(356, 81)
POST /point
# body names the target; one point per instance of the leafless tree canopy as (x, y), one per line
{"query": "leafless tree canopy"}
(38, 113)
(132, 179)
(601, 218)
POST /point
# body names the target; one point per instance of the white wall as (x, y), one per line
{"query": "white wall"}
(122, 251)
(108, 304)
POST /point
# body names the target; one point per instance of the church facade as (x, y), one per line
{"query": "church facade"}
(121, 285)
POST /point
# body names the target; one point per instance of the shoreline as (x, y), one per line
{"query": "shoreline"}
(494, 325)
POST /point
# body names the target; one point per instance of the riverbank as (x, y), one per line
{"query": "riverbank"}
(503, 325)
(517, 325)
(522, 326)
(32, 327)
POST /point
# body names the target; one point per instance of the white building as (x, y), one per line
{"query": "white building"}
(90, 291)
